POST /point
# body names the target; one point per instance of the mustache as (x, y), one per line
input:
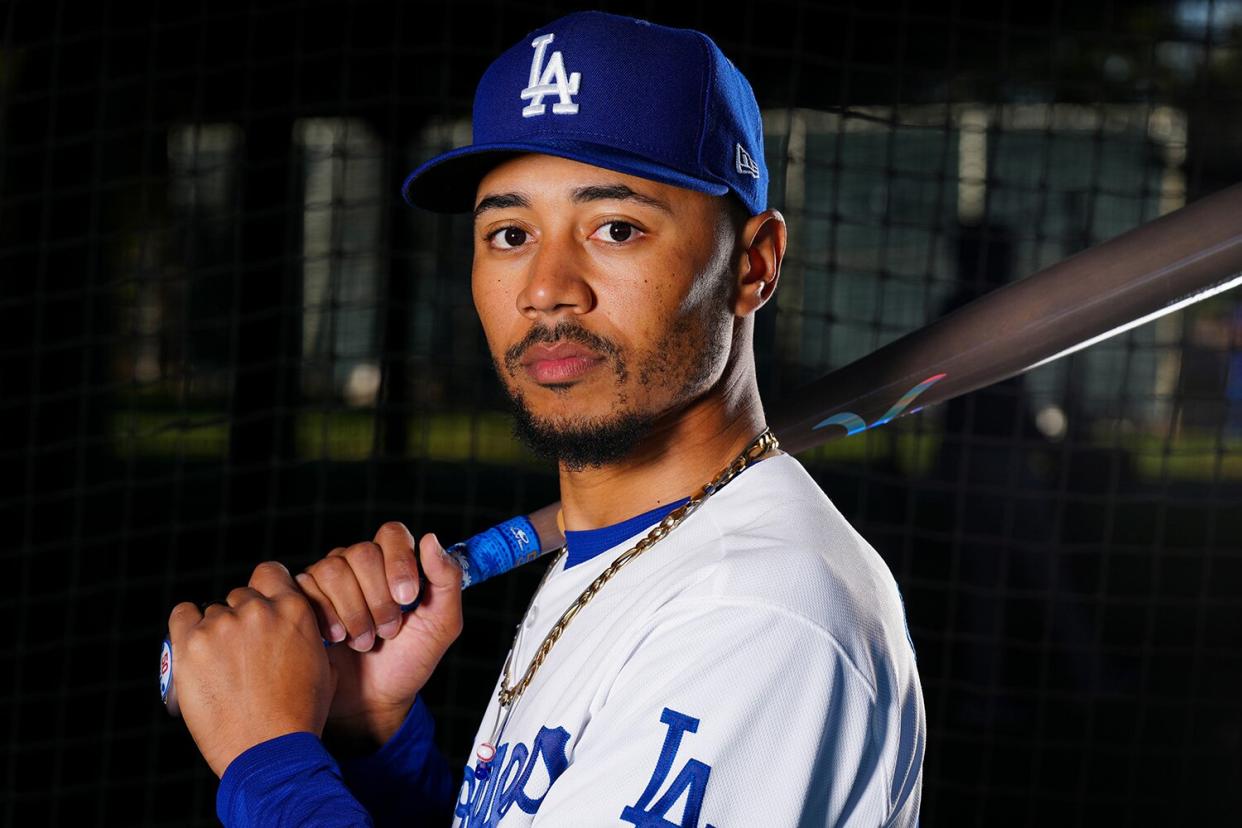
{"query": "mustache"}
(562, 331)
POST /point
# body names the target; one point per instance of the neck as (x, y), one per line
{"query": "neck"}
(684, 450)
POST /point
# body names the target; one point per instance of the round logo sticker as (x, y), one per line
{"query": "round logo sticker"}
(165, 669)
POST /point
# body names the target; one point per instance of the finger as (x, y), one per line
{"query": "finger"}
(214, 609)
(338, 583)
(184, 617)
(272, 580)
(330, 626)
(443, 573)
(272, 584)
(400, 565)
(234, 599)
(441, 602)
(367, 561)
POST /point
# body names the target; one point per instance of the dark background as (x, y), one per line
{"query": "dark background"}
(223, 339)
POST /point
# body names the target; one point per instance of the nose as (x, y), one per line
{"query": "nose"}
(556, 282)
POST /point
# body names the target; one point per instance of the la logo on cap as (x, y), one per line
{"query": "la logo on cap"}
(549, 80)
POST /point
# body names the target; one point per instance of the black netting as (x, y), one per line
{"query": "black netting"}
(223, 338)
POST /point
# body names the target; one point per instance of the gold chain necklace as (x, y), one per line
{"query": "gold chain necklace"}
(507, 696)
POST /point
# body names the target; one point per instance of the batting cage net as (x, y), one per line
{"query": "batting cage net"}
(225, 339)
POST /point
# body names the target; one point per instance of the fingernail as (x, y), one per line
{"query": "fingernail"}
(390, 629)
(363, 642)
(336, 633)
(405, 591)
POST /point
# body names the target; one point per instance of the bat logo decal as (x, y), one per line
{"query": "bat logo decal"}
(853, 424)
(165, 669)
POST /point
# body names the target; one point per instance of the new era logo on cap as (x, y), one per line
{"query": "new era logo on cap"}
(745, 164)
(614, 92)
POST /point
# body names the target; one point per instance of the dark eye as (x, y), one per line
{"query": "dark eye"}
(616, 232)
(508, 237)
(620, 231)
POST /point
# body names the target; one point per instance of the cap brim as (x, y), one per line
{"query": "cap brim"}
(449, 183)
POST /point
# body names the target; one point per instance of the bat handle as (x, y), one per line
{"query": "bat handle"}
(496, 550)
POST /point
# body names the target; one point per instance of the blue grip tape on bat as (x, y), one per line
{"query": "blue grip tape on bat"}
(489, 553)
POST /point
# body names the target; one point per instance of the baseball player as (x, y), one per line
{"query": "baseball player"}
(715, 645)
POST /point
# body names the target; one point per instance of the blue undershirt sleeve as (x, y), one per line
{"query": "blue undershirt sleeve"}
(289, 780)
(407, 781)
(293, 780)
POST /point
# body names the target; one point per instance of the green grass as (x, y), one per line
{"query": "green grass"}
(199, 435)
(1189, 456)
(485, 437)
(324, 435)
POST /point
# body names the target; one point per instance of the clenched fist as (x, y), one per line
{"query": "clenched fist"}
(252, 669)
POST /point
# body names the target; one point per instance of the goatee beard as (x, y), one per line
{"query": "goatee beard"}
(581, 442)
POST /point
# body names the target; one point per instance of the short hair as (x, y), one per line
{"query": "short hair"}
(736, 212)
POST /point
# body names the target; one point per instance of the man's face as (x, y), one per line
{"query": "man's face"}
(604, 298)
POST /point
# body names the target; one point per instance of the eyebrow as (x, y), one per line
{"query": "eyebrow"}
(617, 192)
(582, 195)
(501, 201)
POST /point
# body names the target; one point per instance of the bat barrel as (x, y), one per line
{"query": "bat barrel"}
(1171, 262)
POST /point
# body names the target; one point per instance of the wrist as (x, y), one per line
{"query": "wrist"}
(364, 732)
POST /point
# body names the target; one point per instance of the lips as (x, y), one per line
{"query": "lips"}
(559, 363)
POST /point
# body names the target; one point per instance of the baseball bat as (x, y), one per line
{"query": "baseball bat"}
(1167, 264)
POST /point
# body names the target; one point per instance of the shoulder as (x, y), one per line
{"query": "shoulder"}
(781, 545)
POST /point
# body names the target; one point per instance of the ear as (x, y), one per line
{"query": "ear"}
(762, 249)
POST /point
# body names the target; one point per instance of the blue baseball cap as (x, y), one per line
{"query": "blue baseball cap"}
(614, 92)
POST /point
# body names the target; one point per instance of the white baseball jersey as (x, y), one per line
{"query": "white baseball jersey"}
(753, 668)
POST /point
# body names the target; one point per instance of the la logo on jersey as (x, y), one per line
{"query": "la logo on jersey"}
(549, 80)
(689, 786)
